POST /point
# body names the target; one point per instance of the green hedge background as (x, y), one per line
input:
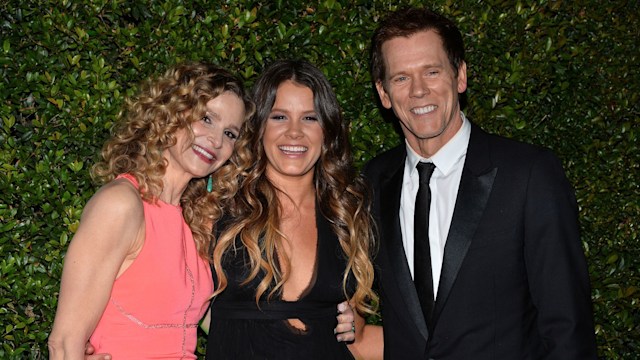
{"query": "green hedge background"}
(563, 74)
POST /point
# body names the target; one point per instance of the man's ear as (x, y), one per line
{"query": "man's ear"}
(462, 78)
(382, 93)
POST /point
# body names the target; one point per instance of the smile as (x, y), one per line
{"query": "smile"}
(203, 152)
(291, 149)
(424, 110)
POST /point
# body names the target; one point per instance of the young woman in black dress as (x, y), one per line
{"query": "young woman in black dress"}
(297, 238)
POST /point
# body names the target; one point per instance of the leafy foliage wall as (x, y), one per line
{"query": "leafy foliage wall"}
(559, 73)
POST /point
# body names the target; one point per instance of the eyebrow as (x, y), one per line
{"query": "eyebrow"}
(212, 114)
(306, 112)
(422, 67)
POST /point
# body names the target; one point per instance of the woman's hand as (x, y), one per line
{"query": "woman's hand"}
(346, 328)
(89, 353)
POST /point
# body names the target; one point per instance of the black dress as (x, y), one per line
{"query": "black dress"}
(241, 330)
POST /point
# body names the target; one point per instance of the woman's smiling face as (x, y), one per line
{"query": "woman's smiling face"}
(292, 137)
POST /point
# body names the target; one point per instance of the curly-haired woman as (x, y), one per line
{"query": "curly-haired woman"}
(136, 280)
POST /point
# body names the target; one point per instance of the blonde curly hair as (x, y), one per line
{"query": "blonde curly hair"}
(341, 194)
(147, 126)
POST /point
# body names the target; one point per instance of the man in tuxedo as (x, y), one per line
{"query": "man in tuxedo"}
(484, 261)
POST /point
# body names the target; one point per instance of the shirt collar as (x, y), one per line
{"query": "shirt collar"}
(446, 158)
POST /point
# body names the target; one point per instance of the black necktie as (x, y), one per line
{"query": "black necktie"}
(422, 277)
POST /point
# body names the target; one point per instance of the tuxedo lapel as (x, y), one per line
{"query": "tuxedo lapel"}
(475, 187)
(398, 270)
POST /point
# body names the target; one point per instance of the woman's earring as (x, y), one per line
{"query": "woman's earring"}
(210, 183)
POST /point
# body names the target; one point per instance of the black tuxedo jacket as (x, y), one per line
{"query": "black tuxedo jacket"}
(514, 281)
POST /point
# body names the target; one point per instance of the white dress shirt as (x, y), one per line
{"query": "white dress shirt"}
(444, 184)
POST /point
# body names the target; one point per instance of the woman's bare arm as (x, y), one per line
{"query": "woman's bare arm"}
(110, 233)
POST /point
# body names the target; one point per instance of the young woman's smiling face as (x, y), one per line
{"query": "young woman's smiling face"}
(292, 137)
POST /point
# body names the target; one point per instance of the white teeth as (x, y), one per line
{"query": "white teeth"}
(290, 148)
(203, 152)
(423, 110)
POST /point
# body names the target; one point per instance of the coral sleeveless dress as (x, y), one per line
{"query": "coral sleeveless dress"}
(156, 304)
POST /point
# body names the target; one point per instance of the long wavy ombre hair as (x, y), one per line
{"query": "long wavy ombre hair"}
(341, 194)
(147, 127)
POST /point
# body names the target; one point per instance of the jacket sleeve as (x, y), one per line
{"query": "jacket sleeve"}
(555, 263)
